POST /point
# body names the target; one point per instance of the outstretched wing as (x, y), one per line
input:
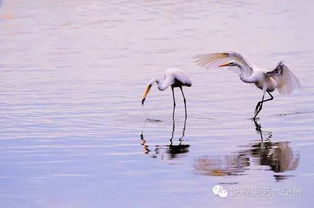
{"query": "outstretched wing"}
(212, 60)
(287, 81)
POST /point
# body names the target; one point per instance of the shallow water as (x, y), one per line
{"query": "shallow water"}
(73, 132)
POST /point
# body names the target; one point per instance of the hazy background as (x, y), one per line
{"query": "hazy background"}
(73, 133)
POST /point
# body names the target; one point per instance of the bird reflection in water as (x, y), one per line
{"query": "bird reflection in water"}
(277, 155)
(222, 165)
(170, 151)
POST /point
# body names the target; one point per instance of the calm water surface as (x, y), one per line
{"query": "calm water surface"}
(73, 132)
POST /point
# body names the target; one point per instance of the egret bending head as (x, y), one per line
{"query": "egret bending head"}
(150, 84)
(173, 78)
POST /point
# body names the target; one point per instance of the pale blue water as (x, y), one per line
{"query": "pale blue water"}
(73, 133)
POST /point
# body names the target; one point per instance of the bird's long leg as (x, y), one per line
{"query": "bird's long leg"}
(174, 102)
(184, 100)
(271, 97)
(259, 105)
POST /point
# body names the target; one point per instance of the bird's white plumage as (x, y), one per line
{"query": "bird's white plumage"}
(172, 75)
(174, 78)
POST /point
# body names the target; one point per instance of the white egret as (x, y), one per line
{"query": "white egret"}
(173, 78)
(280, 78)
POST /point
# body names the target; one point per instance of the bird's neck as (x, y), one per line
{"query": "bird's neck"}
(244, 76)
(159, 83)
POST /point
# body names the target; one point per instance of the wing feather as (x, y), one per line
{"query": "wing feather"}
(287, 81)
(212, 60)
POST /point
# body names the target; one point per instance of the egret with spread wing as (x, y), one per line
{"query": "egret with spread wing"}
(173, 78)
(280, 78)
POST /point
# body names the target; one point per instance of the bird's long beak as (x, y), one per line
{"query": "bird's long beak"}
(145, 93)
(222, 65)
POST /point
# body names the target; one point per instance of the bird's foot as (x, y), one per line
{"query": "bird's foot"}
(255, 118)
